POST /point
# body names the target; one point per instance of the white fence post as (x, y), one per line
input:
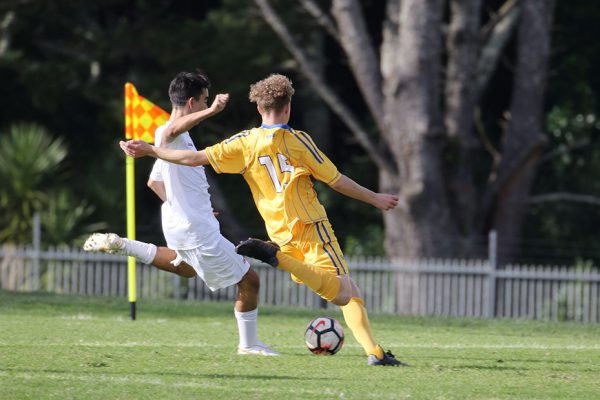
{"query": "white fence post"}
(35, 262)
(492, 261)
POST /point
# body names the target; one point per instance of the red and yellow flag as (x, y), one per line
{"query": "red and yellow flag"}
(142, 117)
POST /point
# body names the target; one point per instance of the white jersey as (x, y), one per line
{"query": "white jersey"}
(187, 215)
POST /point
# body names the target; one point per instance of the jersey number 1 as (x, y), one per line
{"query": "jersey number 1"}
(283, 166)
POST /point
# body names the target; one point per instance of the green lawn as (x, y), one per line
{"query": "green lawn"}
(59, 347)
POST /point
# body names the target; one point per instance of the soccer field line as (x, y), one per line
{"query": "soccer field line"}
(458, 346)
(525, 346)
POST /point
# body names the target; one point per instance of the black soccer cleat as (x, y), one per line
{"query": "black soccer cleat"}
(387, 360)
(259, 249)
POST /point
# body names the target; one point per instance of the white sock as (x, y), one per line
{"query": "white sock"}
(145, 252)
(247, 327)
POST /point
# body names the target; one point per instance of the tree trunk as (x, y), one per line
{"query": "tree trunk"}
(414, 125)
(524, 137)
(462, 47)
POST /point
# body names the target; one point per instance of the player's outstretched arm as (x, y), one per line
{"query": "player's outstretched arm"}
(348, 187)
(187, 122)
(139, 148)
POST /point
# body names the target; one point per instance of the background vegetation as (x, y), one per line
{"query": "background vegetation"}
(62, 69)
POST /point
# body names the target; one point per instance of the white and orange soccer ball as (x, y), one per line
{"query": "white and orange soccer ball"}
(324, 336)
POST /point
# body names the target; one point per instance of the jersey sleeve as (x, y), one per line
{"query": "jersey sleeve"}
(315, 161)
(228, 156)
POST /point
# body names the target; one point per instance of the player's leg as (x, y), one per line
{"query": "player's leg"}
(167, 260)
(246, 314)
(246, 310)
(247, 296)
(217, 263)
(161, 257)
(321, 282)
(325, 252)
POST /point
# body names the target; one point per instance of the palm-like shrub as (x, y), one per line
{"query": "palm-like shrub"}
(65, 217)
(29, 157)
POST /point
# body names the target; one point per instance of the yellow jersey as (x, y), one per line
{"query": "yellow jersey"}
(277, 162)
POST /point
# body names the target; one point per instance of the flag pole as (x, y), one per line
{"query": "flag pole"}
(142, 117)
(130, 193)
(130, 197)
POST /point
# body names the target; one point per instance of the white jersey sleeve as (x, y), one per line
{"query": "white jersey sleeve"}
(156, 173)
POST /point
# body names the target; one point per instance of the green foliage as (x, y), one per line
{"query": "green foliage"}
(571, 165)
(29, 158)
(369, 243)
(30, 178)
(64, 219)
(572, 161)
(66, 72)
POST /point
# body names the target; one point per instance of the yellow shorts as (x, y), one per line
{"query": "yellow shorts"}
(316, 244)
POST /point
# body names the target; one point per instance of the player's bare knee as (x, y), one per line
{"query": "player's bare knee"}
(355, 289)
(343, 297)
(341, 300)
(345, 293)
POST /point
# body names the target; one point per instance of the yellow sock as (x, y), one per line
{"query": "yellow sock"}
(357, 320)
(323, 283)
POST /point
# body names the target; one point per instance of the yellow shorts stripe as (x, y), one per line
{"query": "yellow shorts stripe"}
(316, 244)
(322, 231)
(337, 256)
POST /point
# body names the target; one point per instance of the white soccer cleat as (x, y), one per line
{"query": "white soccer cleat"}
(259, 349)
(104, 242)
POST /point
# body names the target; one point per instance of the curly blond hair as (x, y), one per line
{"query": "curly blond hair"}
(272, 93)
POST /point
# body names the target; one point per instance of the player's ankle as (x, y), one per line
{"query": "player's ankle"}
(377, 351)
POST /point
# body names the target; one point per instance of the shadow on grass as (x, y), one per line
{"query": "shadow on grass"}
(51, 304)
(499, 367)
(186, 376)
(511, 360)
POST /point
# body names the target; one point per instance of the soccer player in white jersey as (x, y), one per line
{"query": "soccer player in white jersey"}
(195, 244)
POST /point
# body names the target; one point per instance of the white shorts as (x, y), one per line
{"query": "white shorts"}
(216, 262)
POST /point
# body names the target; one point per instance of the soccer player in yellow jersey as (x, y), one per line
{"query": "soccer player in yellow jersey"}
(278, 162)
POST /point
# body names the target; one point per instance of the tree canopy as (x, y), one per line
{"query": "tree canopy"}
(63, 65)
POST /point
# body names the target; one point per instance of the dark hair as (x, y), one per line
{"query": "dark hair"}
(186, 85)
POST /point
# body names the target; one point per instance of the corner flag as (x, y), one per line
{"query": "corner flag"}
(142, 117)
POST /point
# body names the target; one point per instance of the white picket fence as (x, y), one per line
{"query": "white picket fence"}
(417, 287)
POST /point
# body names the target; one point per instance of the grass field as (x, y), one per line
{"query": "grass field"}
(58, 347)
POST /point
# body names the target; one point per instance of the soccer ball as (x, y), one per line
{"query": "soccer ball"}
(324, 336)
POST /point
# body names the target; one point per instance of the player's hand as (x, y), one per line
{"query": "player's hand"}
(136, 148)
(385, 201)
(220, 102)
